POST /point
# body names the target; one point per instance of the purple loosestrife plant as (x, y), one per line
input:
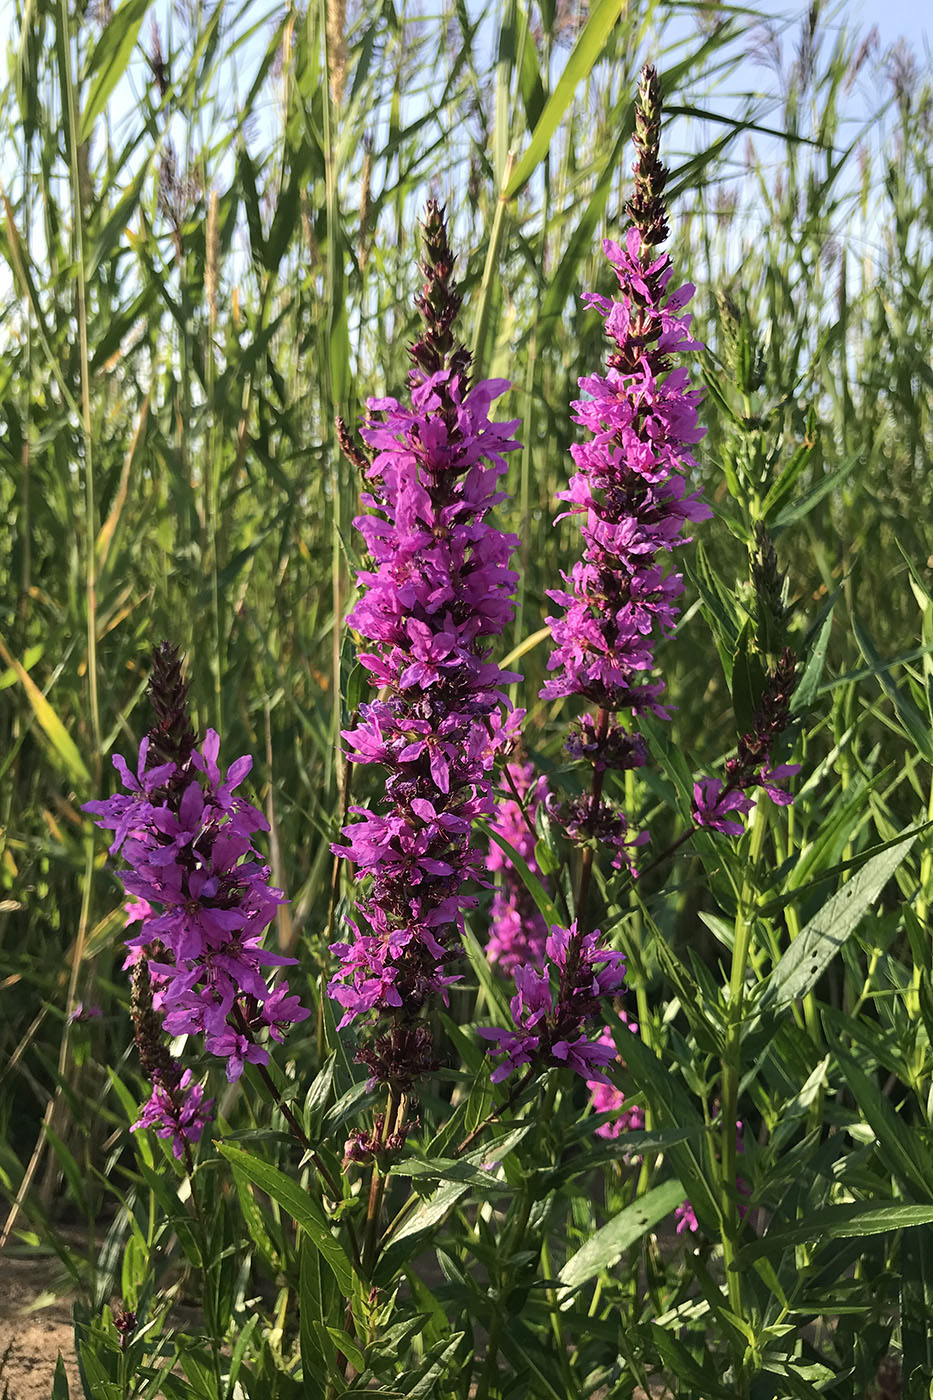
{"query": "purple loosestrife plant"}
(714, 799)
(550, 1025)
(630, 492)
(517, 929)
(203, 899)
(438, 588)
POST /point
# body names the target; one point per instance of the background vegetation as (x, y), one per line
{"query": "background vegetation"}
(209, 235)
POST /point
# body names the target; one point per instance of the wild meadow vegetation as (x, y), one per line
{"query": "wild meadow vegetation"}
(212, 224)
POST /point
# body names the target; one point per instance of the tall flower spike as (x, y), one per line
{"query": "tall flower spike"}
(713, 798)
(437, 588)
(203, 900)
(630, 492)
(551, 1029)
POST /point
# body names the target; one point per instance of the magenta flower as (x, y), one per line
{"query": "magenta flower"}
(629, 491)
(686, 1219)
(181, 1113)
(549, 1027)
(631, 495)
(711, 805)
(80, 1012)
(769, 777)
(200, 891)
(438, 587)
(203, 901)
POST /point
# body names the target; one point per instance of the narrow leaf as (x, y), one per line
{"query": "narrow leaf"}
(817, 944)
(303, 1209)
(110, 58)
(604, 1249)
(838, 1223)
(58, 735)
(586, 51)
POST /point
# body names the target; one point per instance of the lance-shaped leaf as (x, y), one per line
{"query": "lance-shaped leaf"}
(817, 944)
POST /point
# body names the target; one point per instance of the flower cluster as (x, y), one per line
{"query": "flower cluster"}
(438, 587)
(629, 488)
(549, 1027)
(203, 900)
(178, 1111)
(517, 929)
(714, 798)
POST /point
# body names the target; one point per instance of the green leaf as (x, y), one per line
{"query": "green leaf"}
(685, 1365)
(61, 741)
(805, 503)
(110, 58)
(805, 691)
(68, 1165)
(449, 1169)
(816, 945)
(783, 486)
(546, 906)
(748, 681)
(485, 976)
(318, 1095)
(437, 1366)
(302, 1207)
(900, 1146)
(916, 1292)
(847, 1221)
(665, 1093)
(586, 51)
(317, 1351)
(915, 723)
(255, 1222)
(604, 1249)
(174, 1211)
(420, 1223)
(60, 1383)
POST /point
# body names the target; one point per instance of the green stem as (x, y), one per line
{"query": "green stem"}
(209, 1298)
(77, 205)
(518, 1089)
(731, 1066)
(377, 1186)
(586, 869)
(490, 268)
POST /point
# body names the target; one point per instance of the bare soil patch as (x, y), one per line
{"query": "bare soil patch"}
(34, 1337)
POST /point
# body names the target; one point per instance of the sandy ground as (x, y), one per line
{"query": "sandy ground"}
(34, 1338)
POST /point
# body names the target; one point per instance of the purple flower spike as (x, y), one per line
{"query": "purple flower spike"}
(181, 1113)
(631, 496)
(436, 589)
(629, 492)
(549, 1029)
(201, 895)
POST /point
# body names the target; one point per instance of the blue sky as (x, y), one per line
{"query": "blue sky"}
(910, 18)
